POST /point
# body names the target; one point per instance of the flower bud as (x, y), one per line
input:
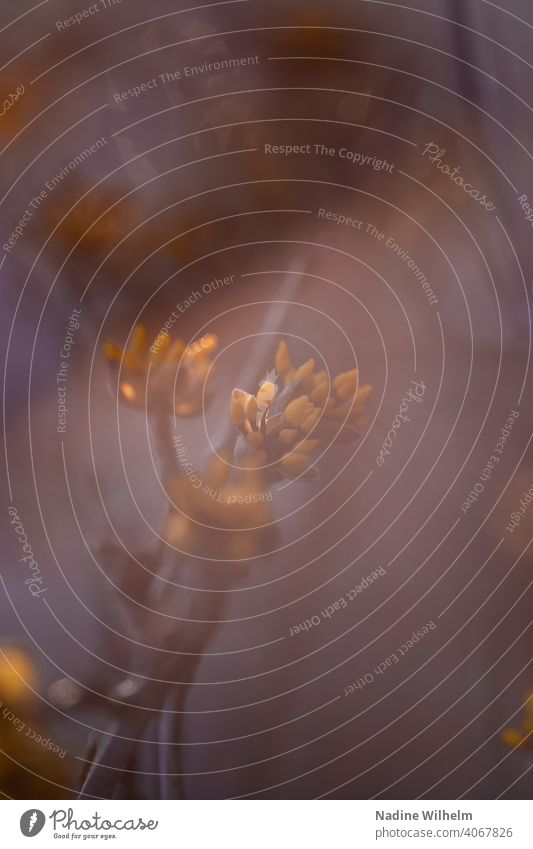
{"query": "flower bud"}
(288, 436)
(112, 352)
(362, 394)
(297, 410)
(176, 351)
(320, 393)
(128, 391)
(266, 392)
(202, 347)
(305, 370)
(239, 400)
(139, 339)
(251, 408)
(345, 384)
(283, 359)
(307, 446)
(308, 423)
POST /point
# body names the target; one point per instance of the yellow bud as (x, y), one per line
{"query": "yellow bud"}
(320, 393)
(237, 414)
(344, 376)
(288, 436)
(132, 362)
(345, 385)
(362, 394)
(283, 358)
(139, 340)
(202, 347)
(344, 392)
(128, 391)
(255, 439)
(308, 424)
(307, 446)
(305, 370)
(112, 352)
(188, 408)
(307, 384)
(176, 351)
(209, 343)
(251, 408)
(266, 392)
(350, 410)
(298, 410)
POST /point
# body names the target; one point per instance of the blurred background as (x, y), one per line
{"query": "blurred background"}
(151, 153)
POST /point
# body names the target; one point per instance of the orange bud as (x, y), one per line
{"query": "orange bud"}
(283, 359)
(320, 393)
(237, 410)
(298, 410)
(311, 420)
(112, 351)
(304, 370)
(307, 446)
(288, 436)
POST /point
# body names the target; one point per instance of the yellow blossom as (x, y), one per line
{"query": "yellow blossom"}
(285, 429)
(169, 366)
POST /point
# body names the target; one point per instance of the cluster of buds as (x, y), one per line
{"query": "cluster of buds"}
(279, 432)
(226, 514)
(522, 738)
(167, 365)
